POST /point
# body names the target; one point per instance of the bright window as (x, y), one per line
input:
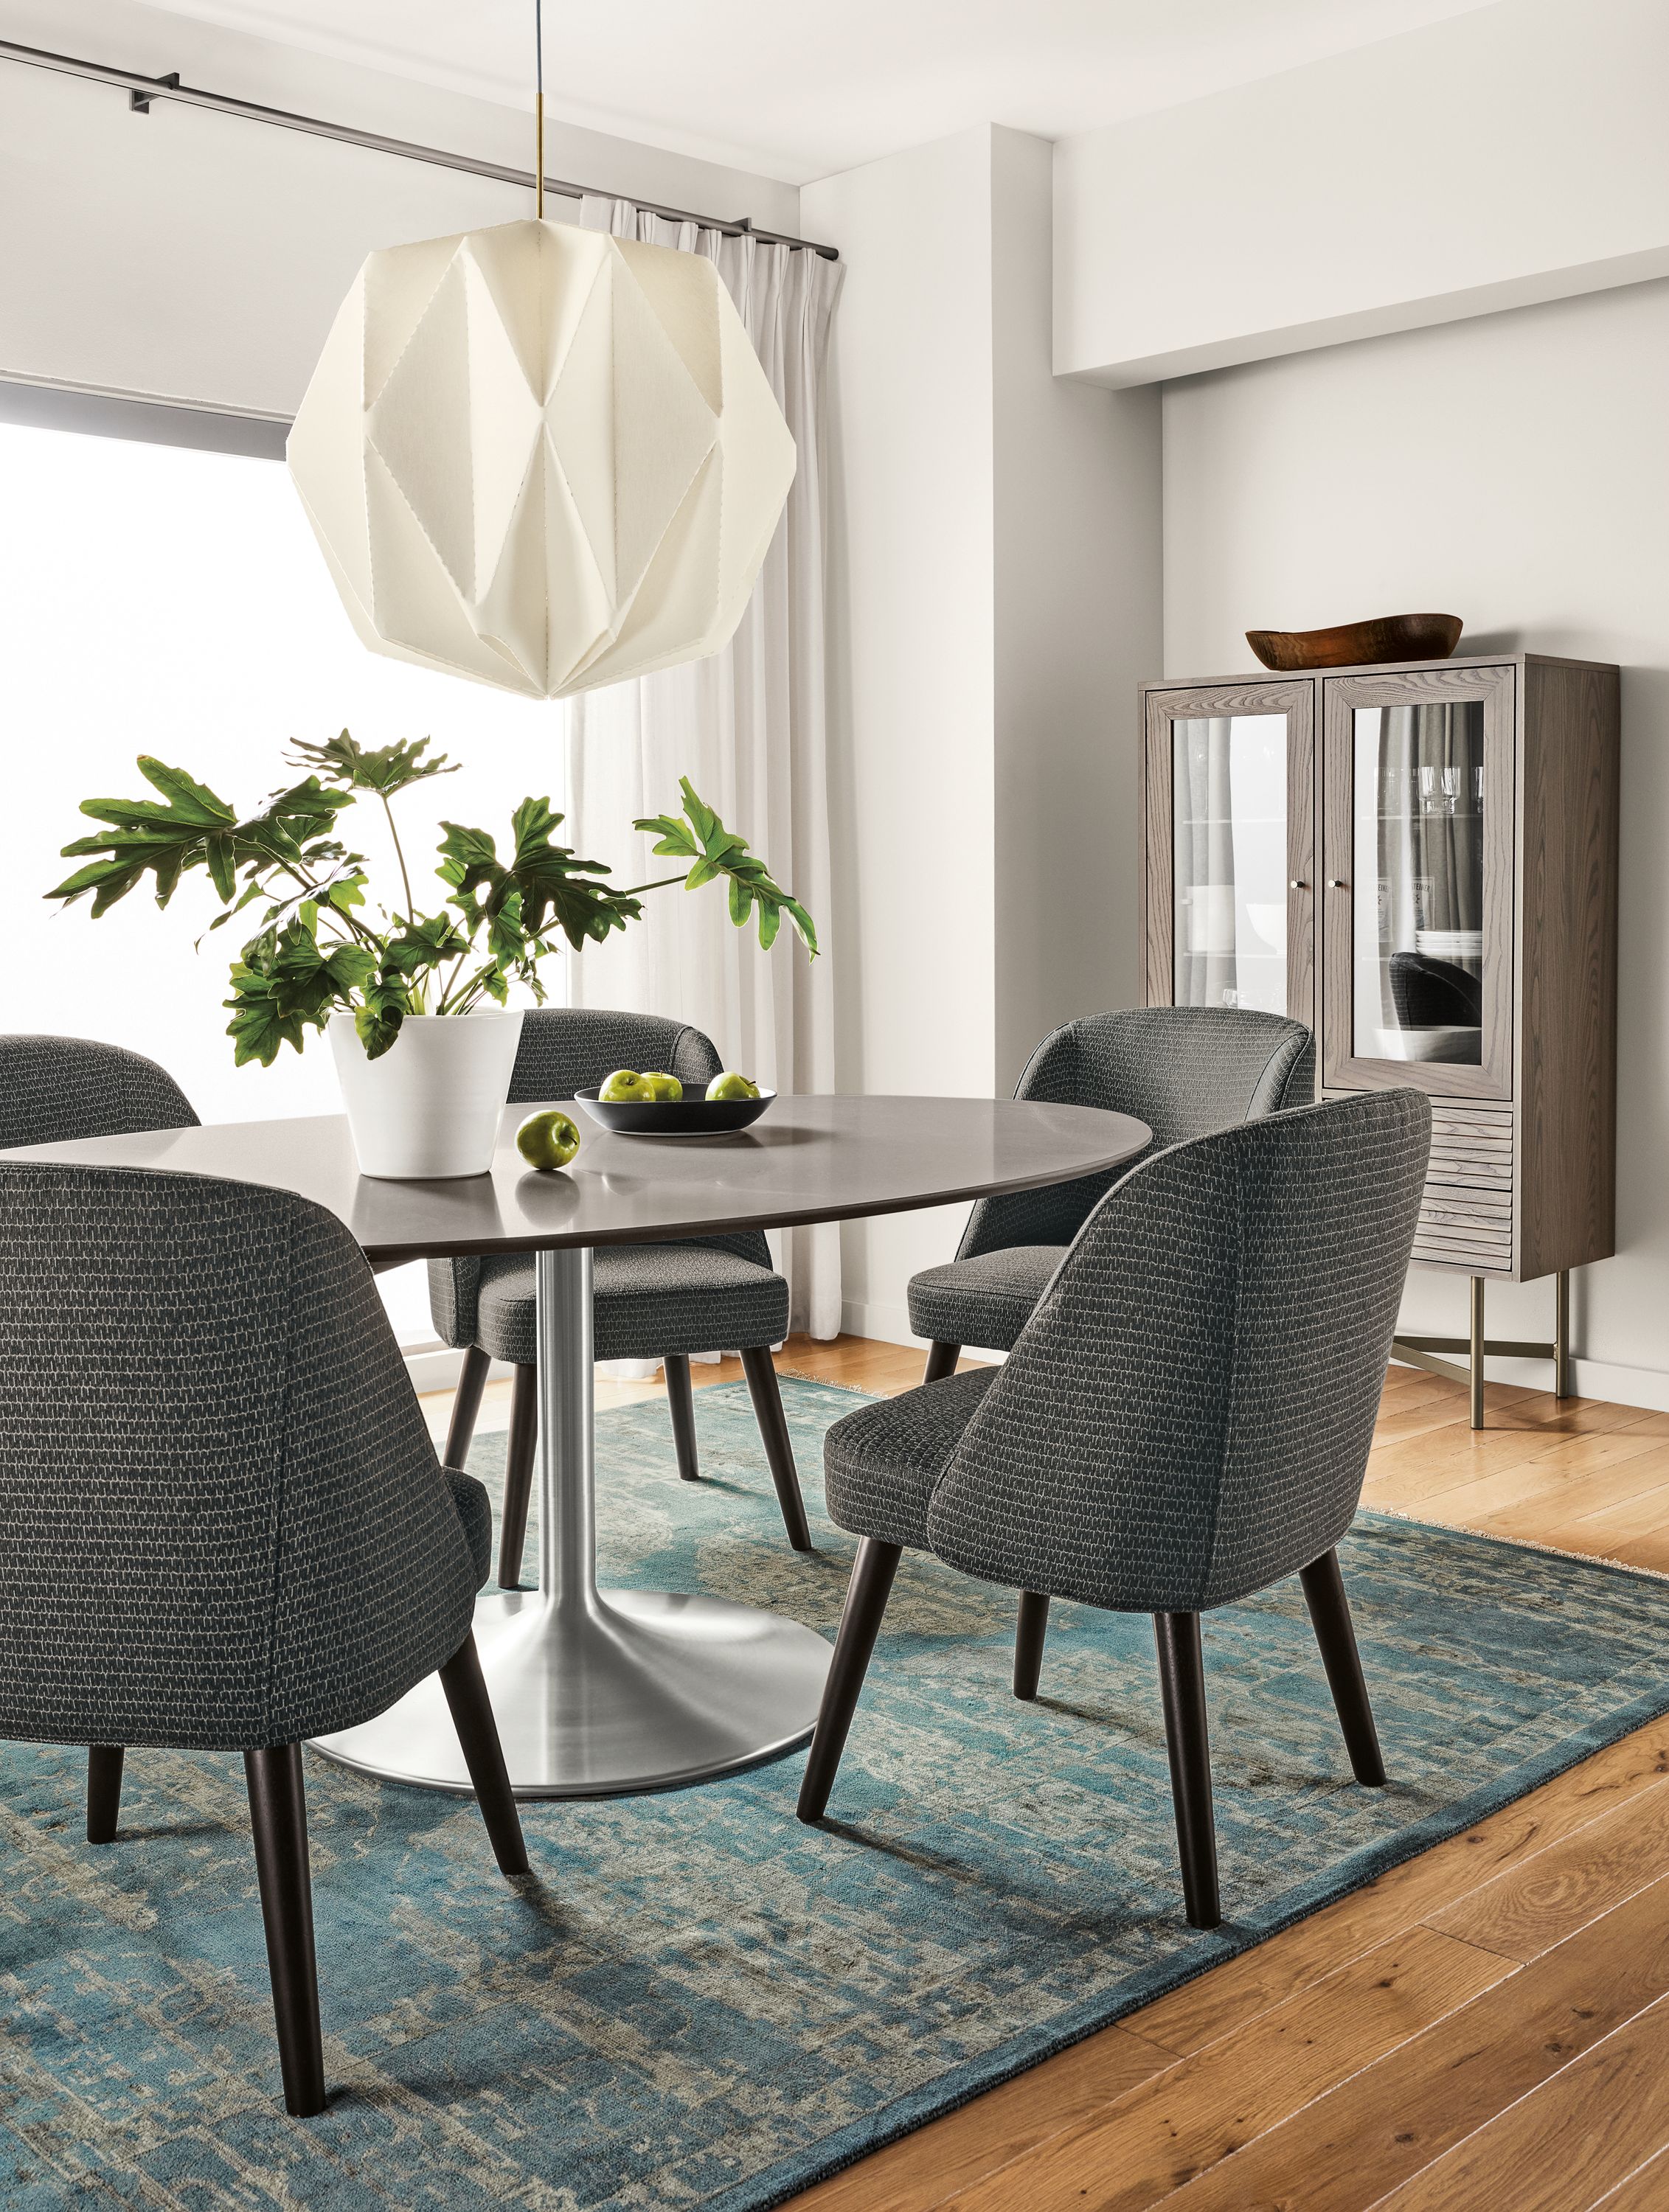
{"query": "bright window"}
(159, 600)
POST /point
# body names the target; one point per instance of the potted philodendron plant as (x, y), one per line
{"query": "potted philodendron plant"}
(423, 1087)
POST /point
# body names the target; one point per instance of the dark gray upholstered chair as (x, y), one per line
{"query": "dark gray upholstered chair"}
(1184, 1419)
(55, 1088)
(1185, 1071)
(652, 1301)
(226, 1527)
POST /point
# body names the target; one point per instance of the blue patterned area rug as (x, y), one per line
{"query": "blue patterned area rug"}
(699, 2002)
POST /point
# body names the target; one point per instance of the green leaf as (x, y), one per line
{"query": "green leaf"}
(377, 1023)
(674, 836)
(421, 946)
(717, 851)
(195, 828)
(184, 795)
(803, 922)
(700, 815)
(386, 769)
(552, 885)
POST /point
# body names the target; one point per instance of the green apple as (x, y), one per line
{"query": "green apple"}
(664, 1088)
(549, 1139)
(731, 1085)
(626, 1087)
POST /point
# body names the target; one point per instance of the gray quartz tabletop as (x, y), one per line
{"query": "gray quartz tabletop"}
(807, 1159)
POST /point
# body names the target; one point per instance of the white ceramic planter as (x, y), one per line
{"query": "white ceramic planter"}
(429, 1106)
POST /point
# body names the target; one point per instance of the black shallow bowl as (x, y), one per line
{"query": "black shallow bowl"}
(676, 1117)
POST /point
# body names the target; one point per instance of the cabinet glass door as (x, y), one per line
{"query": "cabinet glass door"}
(1418, 926)
(1228, 805)
(1419, 843)
(1229, 783)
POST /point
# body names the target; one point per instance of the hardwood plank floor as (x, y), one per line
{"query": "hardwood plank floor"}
(1482, 2029)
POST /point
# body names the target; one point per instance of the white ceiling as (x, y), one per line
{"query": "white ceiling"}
(800, 89)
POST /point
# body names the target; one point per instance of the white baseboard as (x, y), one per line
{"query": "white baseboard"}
(883, 1324)
(437, 1367)
(1645, 1387)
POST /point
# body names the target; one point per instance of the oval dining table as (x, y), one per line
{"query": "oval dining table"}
(601, 1692)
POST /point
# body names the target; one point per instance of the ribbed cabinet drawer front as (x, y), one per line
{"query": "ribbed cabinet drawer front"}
(1466, 1214)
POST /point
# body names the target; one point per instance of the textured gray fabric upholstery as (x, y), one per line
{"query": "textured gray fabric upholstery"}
(640, 1289)
(651, 1299)
(1187, 1415)
(55, 1088)
(475, 1511)
(225, 1525)
(881, 1464)
(986, 1300)
(1185, 1071)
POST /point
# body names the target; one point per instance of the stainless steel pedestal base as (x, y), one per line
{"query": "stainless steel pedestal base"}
(640, 1691)
(597, 1694)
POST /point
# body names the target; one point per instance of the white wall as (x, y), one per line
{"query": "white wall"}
(995, 558)
(1514, 469)
(1513, 153)
(912, 645)
(1076, 537)
(185, 255)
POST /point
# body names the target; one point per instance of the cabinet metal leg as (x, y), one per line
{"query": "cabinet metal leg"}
(1422, 1351)
(1476, 1352)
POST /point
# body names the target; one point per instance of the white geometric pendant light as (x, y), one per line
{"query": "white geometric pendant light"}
(542, 457)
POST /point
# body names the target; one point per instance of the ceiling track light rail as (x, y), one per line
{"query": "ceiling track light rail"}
(143, 90)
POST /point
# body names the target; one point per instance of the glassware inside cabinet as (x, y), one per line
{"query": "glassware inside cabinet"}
(1417, 933)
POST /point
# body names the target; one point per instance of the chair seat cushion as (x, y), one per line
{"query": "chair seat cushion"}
(879, 1464)
(651, 1299)
(475, 1511)
(986, 1301)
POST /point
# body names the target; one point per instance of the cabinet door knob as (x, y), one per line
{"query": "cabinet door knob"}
(1337, 884)
(1297, 884)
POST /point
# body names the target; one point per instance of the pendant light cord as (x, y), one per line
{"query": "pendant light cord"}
(538, 109)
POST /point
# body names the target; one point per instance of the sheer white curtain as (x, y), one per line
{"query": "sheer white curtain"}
(746, 726)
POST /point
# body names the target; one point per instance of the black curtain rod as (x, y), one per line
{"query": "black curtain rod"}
(142, 90)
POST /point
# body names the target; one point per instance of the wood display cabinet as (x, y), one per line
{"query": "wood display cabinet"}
(1420, 863)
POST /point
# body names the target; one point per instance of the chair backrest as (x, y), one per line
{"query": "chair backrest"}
(569, 1048)
(1185, 1071)
(225, 1525)
(54, 1089)
(1187, 1415)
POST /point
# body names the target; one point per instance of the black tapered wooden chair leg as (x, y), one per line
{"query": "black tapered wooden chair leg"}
(518, 1475)
(760, 1369)
(860, 1624)
(104, 1791)
(472, 1716)
(681, 1404)
(942, 1360)
(1029, 1635)
(278, 1811)
(1330, 1616)
(1182, 1688)
(465, 1406)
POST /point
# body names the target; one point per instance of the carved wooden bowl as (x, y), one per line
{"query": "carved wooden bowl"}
(1357, 645)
